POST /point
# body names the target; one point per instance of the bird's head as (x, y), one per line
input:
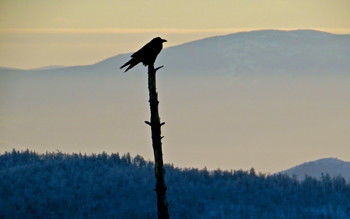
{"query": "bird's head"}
(160, 39)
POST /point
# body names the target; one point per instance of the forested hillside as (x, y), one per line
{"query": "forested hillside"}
(58, 185)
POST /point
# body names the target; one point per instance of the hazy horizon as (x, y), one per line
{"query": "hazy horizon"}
(249, 116)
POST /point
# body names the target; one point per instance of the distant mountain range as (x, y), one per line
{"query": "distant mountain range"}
(332, 166)
(255, 52)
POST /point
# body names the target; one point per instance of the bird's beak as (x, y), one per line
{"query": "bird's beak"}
(163, 40)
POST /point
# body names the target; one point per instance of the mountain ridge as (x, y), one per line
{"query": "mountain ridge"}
(332, 166)
(249, 51)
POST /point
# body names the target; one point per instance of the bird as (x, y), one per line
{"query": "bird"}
(147, 54)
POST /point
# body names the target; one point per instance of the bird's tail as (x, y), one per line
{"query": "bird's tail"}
(128, 63)
(131, 64)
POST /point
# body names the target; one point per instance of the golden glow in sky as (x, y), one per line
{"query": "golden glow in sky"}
(192, 14)
(35, 33)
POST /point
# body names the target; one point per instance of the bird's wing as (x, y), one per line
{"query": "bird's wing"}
(144, 50)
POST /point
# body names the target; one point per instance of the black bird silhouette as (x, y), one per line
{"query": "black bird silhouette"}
(147, 54)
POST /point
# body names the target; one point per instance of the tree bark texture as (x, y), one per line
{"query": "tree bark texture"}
(155, 124)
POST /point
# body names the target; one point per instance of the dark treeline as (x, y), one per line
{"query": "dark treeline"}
(58, 185)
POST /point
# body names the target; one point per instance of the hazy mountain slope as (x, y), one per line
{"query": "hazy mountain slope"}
(263, 52)
(332, 166)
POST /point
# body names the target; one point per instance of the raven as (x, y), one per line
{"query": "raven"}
(147, 54)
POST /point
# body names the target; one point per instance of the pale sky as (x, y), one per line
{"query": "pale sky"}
(36, 33)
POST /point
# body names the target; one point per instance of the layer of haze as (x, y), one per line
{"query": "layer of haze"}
(269, 123)
(36, 33)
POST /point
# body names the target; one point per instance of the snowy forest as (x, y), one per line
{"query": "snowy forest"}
(59, 185)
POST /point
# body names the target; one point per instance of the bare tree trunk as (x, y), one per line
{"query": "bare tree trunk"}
(155, 124)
